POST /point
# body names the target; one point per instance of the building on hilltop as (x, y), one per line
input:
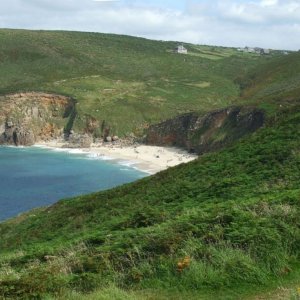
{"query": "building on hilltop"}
(249, 49)
(262, 51)
(256, 50)
(180, 49)
(266, 51)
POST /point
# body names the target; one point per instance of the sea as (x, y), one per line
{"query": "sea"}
(32, 177)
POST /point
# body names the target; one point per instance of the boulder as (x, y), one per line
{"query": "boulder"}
(108, 139)
(23, 137)
(80, 140)
(17, 136)
(86, 141)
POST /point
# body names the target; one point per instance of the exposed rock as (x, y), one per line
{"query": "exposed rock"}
(50, 131)
(208, 132)
(79, 140)
(2, 129)
(26, 118)
(115, 138)
(105, 130)
(92, 124)
(18, 136)
(108, 139)
(22, 136)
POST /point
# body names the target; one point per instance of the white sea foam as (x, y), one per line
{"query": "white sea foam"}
(132, 164)
(127, 163)
(42, 146)
(104, 157)
(76, 151)
(96, 156)
(12, 146)
(93, 155)
(86, 154)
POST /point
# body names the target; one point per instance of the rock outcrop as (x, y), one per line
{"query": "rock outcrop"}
(15, 135)
(205, 133)
(76, 140)
(27, 118)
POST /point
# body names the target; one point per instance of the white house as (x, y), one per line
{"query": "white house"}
(256, 50)
(180, 49)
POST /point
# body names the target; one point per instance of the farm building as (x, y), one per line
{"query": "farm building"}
(180, 49)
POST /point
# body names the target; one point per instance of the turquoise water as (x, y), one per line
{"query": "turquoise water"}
(32, 177)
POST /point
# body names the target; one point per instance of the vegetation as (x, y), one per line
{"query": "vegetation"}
(127, 82)
(229, 219)
(225, 226)
(273, 85)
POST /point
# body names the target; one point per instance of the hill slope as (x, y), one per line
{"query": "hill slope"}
(228, 220)
(274, 84)
(125, 81)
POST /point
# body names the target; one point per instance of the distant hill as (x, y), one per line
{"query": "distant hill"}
(125, 81)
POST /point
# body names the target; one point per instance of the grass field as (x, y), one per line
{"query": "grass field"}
(125, 81)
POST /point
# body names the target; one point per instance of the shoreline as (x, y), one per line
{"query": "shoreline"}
(148, 159)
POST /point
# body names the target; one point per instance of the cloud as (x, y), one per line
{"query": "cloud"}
(264, 23)
(266, 3)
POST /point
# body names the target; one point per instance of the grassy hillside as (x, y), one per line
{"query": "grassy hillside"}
(128, 82)
(227, 222)
(273, 85)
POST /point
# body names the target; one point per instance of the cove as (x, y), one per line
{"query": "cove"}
(32, 177)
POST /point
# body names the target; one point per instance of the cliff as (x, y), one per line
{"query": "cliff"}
(205, 133)
(27, 118)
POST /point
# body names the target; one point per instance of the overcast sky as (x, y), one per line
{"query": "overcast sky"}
(264, 23)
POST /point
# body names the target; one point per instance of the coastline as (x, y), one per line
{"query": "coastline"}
(148, 159)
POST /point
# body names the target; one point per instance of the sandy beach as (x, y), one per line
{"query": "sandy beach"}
(149, 159)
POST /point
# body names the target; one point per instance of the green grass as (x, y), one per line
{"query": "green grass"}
(148, 82)
(235, 213)
(274, 85)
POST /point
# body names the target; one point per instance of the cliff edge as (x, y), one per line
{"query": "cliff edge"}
(208, 132)
(27, 118)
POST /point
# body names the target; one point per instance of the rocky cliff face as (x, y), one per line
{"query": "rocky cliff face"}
(208, 132)
(27, 118)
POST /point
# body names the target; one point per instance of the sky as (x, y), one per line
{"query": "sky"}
(271, 24)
